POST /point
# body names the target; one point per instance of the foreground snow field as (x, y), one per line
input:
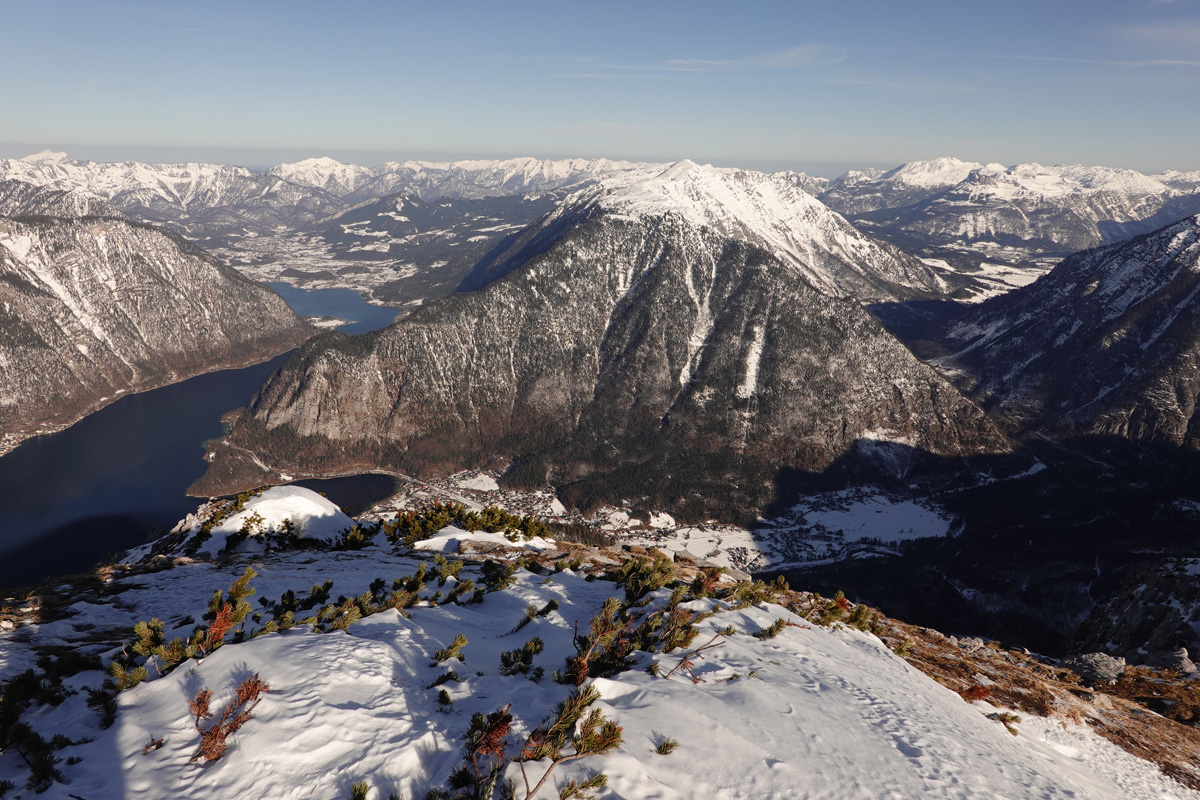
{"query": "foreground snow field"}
(813, 712)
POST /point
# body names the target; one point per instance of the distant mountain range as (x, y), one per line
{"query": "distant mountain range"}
(984, 228)
(1027, 215)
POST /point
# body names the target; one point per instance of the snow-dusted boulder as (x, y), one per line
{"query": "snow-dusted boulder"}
(280, 510)
(1096, 667)
(450, 540)
(1176, 660)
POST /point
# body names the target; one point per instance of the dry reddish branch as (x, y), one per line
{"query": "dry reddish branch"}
(198, 705)
(249, 689)
(688, 662)
(236, 714)
(221, 625)
(976, 692)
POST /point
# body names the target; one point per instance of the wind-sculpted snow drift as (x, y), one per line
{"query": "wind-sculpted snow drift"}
(630, 347)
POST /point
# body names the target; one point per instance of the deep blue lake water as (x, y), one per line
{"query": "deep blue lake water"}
(104, 484)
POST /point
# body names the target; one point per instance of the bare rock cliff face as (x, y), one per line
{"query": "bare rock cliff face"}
(1108, 343)
(97, 307)
(644, 356)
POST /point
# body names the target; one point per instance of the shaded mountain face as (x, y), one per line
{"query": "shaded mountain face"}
(627, 354)
(1108, 343)
(1026, 215)
(93, 308)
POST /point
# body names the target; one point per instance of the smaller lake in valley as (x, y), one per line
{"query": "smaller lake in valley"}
(104, 484)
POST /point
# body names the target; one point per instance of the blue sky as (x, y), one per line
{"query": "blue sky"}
(816, 86)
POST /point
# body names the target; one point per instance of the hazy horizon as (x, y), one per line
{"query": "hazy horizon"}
(780, 84)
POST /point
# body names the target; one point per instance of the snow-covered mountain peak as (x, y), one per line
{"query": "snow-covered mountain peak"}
(325, 173)
(47, 155)
(944, 171)
(769, 211)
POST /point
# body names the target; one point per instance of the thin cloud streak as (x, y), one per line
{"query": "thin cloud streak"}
(1106, 62)
(913, 86)
(808, 55)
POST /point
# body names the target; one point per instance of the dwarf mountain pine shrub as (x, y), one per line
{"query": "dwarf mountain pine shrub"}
(529, 616)
(445, 569)
(485, 746)
(772, 630)
(605, 649)
(498, 576)
(445, 677)
(356, 537)
(706, 581)
(571, 725)
(520, 661)
(214, 739)
(453, 651)
(747, 593)
(640, 576)
(358, 790)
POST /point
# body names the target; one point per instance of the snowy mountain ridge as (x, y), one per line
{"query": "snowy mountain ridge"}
(91, 308)
(770, 211)
(1104, 344)
(1025, 216)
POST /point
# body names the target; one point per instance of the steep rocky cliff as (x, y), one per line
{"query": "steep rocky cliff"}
(628, 348)
(1107, 344)
(91, 308)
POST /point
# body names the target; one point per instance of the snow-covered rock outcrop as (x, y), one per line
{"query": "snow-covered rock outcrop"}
(282, 512)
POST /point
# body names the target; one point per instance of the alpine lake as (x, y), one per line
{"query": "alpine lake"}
(118, 477)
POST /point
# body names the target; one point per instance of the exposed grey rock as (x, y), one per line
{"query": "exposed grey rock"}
(968, 643)
(1176, 660)
(1107, 344)
(94, 308)
(1096, 667)
(1156, 610)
